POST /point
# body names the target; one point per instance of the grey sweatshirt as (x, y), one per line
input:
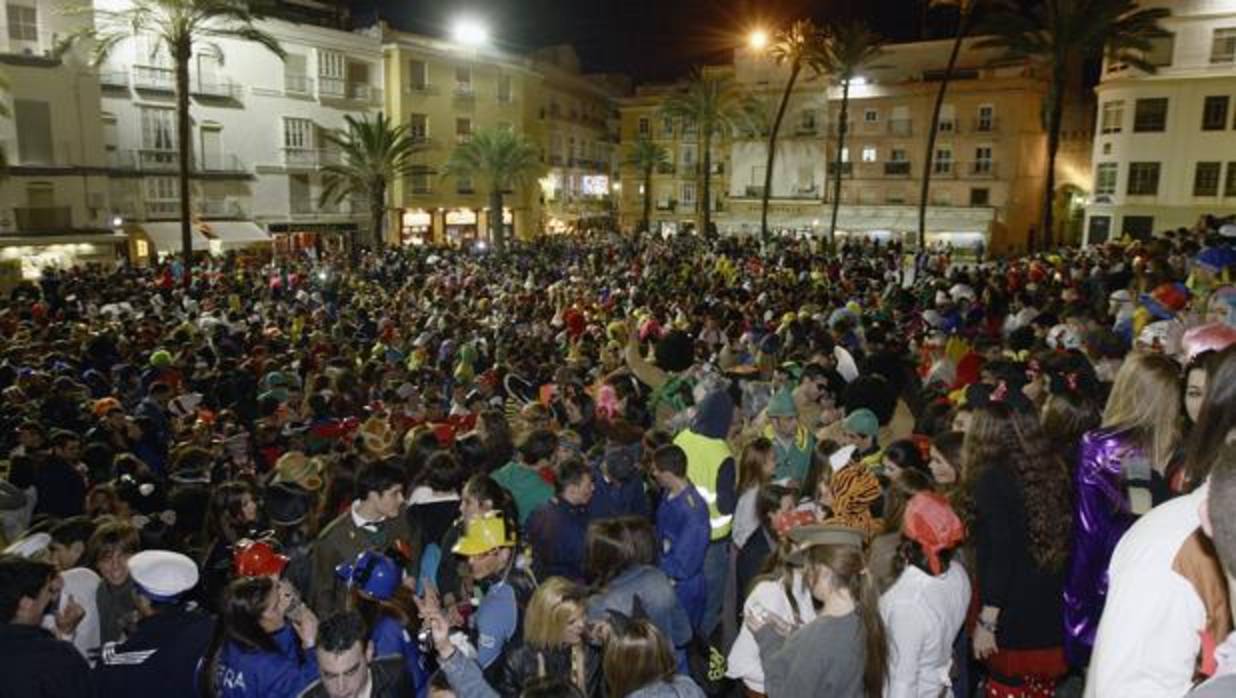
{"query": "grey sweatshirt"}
(822, 658)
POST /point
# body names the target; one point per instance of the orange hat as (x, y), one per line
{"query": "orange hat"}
(103, 406)
(258, 559)
(931, 522)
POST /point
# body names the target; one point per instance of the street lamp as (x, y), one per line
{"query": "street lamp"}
(470, 31)
(758, 39)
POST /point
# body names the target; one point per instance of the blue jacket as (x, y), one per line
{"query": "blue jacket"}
(392, 639)
(682, 537)
(161, 659)
(656, 595)
(556, 533)
(612, 499)
(243, 673)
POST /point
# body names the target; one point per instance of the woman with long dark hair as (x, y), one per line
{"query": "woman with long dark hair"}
(843, 651)
(1122, 471)
(254, 653)
(1014, 491)
(231, 515)
(1215, 420)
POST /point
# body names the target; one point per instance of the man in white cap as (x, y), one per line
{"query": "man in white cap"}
(162, 656)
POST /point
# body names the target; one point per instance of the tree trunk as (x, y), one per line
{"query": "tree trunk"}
(765, 195)
(1055, 106)
(935, 126)
(842, 127)
(377, 215)
(183, 52)
(647, 199)
(704, 203)
(497, 231)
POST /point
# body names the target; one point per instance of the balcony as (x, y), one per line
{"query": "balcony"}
(981, 169)
(991, 125)
(309, 158)
(220, 162)
(754, 192)
(943, 169)
(555, 160)
(297, 85)
(364, 92)
(163, 208)
(464, 91)
(152, 159)
(900, 168)
(115, 79)
(422, 88)
(313, 207)
(806, 130)
(332, 88)
(154, 78)
(665, 169)
(43, 219)
(218, 208)
(900, 127)
(847, 168)
(948, 126)
(218, 89)
(806, 191)
(667, 205)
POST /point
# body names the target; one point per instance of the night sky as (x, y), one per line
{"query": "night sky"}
(651, 40)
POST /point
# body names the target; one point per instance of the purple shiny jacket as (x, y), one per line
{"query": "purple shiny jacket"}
(1101, 515)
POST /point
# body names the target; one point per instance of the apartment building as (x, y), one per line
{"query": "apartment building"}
(1165, 144)
(53, 199)
(258, 136)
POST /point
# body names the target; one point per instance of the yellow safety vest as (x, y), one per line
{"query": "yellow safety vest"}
(704, 459)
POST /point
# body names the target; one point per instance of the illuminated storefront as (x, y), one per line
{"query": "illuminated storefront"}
(461, 226)
(416, 227)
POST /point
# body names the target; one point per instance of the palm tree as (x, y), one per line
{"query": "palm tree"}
(1064, 34)
(175, 26)
(646, 156)
(849, 49)
(713, 105)
(965, 9)
(375, 153)
(799, 46)
(502, 159)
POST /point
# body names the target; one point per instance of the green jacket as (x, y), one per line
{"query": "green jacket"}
(341, 541)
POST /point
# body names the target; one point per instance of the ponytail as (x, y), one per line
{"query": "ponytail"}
(849, 569)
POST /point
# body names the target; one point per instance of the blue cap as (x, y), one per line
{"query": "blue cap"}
(373, 574)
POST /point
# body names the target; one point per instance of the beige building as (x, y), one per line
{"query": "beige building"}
(446, 92)
(987, 177)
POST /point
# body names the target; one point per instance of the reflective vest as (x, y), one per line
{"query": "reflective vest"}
(704, 459)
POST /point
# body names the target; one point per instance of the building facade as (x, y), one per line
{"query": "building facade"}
(258, 137)
(1164, 151)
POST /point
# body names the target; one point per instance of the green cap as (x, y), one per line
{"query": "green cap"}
(862, 421)
(782, 404)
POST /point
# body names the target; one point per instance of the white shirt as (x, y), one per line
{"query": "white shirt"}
(768, 597)
(1149, 636)
(82, 583)
(922, 616)
(746, 519)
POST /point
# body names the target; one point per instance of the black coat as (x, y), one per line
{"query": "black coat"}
(161, 659)
(388, 676)
(34, 664)
(524, 663)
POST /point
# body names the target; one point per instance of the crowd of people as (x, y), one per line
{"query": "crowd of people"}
(625, 466)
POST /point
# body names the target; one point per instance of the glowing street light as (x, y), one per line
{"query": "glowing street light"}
(758, 39)
(470, 31)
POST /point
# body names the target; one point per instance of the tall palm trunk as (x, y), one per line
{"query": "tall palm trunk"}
(705, 202)
(765, 195)
(1055, 114)
(647, 199)
(497, 231)
(183, 52)
(842, 127)
(377, 214)
(928, 159)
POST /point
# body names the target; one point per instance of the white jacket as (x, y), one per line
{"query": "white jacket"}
(768, 597)
(922, 616)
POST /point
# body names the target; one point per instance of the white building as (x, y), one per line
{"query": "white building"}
(1165, 144)
(53, 201)
(258, 135)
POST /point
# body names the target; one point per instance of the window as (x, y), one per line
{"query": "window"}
(643, 127)
(1229, 183)
(667, 127)
(1161, 50)
(807, 121)
(845, 154)
(897, 155)
(1100, 229)
(161, 194)
(871, 116)
(111, 136)
(806, 179)
(463, 129)
(869, 153)
(504, 88)
(34, 135)
(297, 133)
(463, 184)
(159, 128)
(1105, 178)
(1206, 179)
(419, 181)
(948, 119)
(986, 118)
(982, 160)
(688, 193)
(1107, 148)
(23, 23)
(980, 196)
(1214, 113)
(1222, 49)
(418, 75)
(942, 163)
(418, 126)
(1150, 115)
(1112, 120)
(331, 64)
(1143, 179)
(1138, 227)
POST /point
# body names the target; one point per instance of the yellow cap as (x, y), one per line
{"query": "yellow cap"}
(484, 534)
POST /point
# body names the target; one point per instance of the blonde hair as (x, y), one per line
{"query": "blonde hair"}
(1145, 399)
(552, 608)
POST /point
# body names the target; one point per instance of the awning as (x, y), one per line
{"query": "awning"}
(166, 237)
(233, 233)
